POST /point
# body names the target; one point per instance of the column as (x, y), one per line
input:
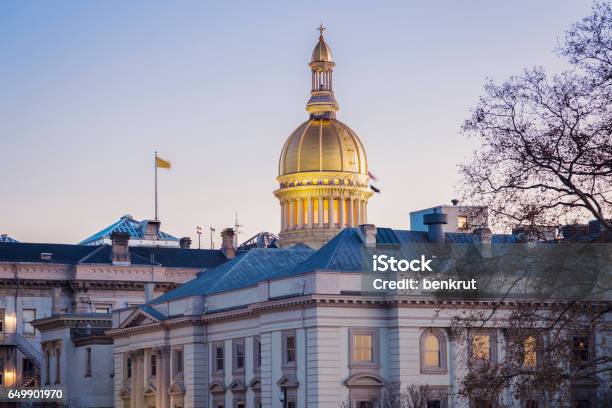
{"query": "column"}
(163, 377)
(300, 209)
(290, 224)
(341, 202)
(358, 211)
(320, 215)
(282, 207)
(310, 214)
(349, 210)
(330, 212)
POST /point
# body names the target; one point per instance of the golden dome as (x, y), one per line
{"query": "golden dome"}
(323, 144)
(321, 52)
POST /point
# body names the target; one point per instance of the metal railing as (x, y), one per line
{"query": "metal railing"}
(24, 345)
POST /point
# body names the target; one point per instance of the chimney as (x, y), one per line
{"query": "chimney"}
(56, 294)
(151, 229)
(227, 243)
(435, 226)
(185, 242)
(482, 235)
(369, 235)
(120, 254)
(454, 201)
(149, 289)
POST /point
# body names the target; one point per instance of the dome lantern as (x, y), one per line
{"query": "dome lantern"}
(323, 171)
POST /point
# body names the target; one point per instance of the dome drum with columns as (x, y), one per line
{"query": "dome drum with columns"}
(323, 171)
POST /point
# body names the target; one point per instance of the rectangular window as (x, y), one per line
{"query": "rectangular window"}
(128, 368)
(1, 372)
(294, 209)
(315, 211)
(27, 316)
(153, 365)
(434, 404)
(346, 213)
(530, 352)
(238, 355)
(88, 362)
(481, 347)
(365, 404)
(363, 347)
(290, 348)
(219, 359)
(103, 309)
(462, 222)
(291, 404)
(581, 349)
(178, 356)
(532, 404)
(582, 404)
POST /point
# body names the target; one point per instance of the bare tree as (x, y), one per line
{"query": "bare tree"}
(393, 395)
(546, 152)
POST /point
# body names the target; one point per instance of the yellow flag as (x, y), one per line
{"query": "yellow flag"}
(161, 163)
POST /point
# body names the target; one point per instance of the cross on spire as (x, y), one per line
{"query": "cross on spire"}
(321, 28)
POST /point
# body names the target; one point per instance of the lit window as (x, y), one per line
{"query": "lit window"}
(290, 349)
(481, 347)
(432, 351)
(27, 316)
(325, 211)
(363, 347)
(315, 211)
(462, 222)
(101, 309)
(336, 211)
(530, 358)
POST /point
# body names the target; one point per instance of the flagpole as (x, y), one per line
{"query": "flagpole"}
(155, 165)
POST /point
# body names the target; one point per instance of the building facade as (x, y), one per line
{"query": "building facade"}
(294, 328)
(38, 281)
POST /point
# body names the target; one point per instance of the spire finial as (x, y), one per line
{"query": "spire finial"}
(321, 28)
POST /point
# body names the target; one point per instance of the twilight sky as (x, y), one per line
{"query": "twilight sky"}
(89, 90)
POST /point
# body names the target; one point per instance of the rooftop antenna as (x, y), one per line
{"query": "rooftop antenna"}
(237, 227)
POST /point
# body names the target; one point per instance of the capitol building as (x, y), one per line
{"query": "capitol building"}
(132, 317)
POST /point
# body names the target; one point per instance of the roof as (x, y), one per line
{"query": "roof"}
(135, 229)
(101, 254)
(243, 271)
(6, 238)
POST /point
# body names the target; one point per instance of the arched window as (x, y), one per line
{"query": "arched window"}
(433, 352)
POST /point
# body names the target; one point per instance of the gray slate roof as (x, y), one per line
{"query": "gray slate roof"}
(343, 253)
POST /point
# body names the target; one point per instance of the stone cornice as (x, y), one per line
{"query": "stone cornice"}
(171, 323)
(72, 321)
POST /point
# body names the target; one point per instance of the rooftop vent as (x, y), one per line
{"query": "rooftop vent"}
(46, 256)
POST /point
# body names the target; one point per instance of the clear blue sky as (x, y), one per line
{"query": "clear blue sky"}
(89, 89)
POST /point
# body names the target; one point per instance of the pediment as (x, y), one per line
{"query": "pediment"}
(237, 386)
(125, 393)
(255, 384)
(288, 381)
(216, 387)
(150, 388)
(138, 318)
(365, 380)
(176, 389)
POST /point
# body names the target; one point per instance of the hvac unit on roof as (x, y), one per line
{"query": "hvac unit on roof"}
(45, 256)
